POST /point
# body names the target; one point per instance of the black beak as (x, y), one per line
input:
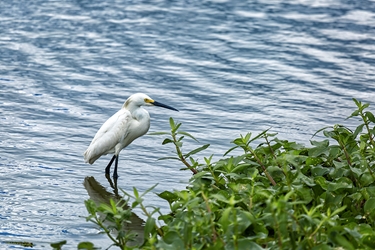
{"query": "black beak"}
(163, 105)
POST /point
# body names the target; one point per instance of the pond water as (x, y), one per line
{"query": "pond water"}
(230, 67)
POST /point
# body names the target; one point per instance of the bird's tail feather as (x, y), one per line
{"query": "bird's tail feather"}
(89, 157)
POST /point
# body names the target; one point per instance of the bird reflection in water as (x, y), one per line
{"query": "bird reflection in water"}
(99, 195)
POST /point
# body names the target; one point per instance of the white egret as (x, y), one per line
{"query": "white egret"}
(129, 123)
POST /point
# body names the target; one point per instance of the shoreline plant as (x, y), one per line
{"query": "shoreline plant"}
(276, 195)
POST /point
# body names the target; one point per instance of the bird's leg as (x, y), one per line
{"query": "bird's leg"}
(108, 168)
(115, 175)
(115, 189)
(109, 181)
(114, 186)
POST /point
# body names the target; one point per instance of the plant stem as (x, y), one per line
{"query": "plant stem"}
(269, 146)
(263, 167)
(364, 118)
(214, 235)
(159, 231)
(180, 155)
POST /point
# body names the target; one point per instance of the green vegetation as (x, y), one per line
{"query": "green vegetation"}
(274, 195)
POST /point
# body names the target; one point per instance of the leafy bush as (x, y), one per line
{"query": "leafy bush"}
(276, 195)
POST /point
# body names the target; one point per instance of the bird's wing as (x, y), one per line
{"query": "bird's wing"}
(112, 132)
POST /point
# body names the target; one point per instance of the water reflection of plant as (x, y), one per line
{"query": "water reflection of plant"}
(111, 212)
(274, 195)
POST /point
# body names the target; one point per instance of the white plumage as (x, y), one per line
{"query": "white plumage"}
(129, 123)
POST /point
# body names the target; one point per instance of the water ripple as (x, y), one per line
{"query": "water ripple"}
(230, 67)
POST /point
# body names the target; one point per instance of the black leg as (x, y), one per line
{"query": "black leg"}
(115, 189)
(108, 168)
(109, 180)
(114, 186)
(115, 175)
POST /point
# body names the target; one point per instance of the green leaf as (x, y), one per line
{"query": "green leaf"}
(201, 174)
(216, 245)
(340, 240)
(355, 113)
(167, 218)
(306, 180)
(333, 201)
(244, 219)
(366, 179)
(230, 150)
(319, 171)
(321, 181)
(365, 229)
(305, 193)
(358, 103)
(86, 245)
(171, 240)
(243, 244)
(103, 207)
(274, 171)
(90, 206)
(331, 134)
(365, 106)
(168, 196)
(148, 190)
(58, 245)
(320, 148)
(158, 133)
(208, 160)
(166, 141)
(342, 182)
(221, 197)
(320, 130)
(369, 240)
(171, 123)
(149, 227)
(368, 192)
(296, 160)
(258, 136)
(224, 220)
(187, 134)
(113, 204)
(176, 128)
(334, 151)
(319, 144)
(369, 208)
(370, 116)
(169, 158)
(358, 130)
(242, 167)
(135, 192)
(322, 247)
(339, 210)
(197, 150)
(313, 161)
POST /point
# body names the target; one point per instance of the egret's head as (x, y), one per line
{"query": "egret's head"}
(141, 99)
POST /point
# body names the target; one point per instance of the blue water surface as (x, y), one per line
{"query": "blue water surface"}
(230, 67)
